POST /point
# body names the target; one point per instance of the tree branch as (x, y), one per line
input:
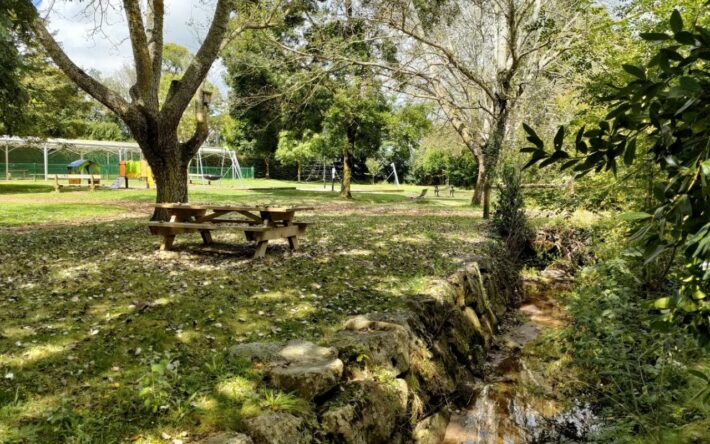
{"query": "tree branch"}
(140, 92)
(156, 14)
(182, 91)
(93, 87)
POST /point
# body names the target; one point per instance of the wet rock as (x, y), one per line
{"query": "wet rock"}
(366, 412)
(298, 366)
(379, 344)
(278, 428)
(432, 429)
(227, 438)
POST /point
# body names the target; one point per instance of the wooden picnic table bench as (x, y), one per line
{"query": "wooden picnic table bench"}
(75, 179)
(261, 223)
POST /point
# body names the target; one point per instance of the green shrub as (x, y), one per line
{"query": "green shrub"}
(509, 217)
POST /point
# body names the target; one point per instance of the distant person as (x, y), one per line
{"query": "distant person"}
(436, 190)
(451, 190)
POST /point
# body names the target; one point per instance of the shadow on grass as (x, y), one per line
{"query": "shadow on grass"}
(24, 188)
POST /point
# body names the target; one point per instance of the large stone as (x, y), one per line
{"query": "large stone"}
(228, 438)
(432, 429)
(366, 412)
(377, 344)
(257, 351)
(298, 366)
(278, 428)
(308, 378)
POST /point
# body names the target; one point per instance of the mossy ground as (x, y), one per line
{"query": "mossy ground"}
(105, 339)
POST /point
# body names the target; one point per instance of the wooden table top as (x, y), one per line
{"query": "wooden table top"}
(266, 208)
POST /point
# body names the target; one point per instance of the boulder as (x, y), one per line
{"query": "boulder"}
(227, 438)
(278, 428)
(299, 366)
(366, 412)
(432, 429)
(378, 344)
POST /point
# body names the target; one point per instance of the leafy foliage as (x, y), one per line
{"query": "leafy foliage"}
(636, 375)
(661, 116)
(509, 217)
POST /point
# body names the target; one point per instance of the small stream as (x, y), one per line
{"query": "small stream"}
(509, 406)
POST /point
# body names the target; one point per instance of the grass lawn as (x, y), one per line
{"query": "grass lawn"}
(105, 339)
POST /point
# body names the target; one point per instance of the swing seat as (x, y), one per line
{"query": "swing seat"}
(211, 177)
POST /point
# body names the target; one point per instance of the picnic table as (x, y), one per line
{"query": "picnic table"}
(260, 223)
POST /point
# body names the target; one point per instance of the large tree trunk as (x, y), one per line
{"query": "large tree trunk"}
(169, 171)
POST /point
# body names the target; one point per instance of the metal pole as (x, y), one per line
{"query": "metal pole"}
(396, 179)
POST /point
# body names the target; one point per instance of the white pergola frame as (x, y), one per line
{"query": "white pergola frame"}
(81, 147)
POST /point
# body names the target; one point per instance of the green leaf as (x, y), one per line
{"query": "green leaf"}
(533, 137)
(699, 374)
(559, 138)
(676, 21)
(690, 84)
(662, 303)
(685, 38)
(654, 36)
(531, 132)
(630, 153)
(635, 71)
(635, 215)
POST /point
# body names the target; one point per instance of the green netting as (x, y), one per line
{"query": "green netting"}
(20, 170)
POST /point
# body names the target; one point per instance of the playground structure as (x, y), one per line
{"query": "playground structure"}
(108, 155)
(82, 167)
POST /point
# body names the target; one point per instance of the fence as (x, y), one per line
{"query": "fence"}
(110, 171)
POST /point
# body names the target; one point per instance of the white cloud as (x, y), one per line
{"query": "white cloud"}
(106, 47)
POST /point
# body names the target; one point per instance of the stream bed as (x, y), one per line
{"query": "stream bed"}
(512, 405)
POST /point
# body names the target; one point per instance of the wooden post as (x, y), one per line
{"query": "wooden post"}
(57, 187)
(91, 182)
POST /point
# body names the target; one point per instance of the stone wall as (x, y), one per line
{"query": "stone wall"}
(387, 377)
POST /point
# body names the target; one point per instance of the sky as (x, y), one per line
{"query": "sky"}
(108, 49)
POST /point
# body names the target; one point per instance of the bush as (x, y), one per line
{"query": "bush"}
(509, 217)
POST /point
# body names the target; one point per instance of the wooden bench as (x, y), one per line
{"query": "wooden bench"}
(92, 178)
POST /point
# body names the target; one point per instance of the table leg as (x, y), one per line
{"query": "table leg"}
(168, 240)
(293, 242)
(206, 237)
(261, 248)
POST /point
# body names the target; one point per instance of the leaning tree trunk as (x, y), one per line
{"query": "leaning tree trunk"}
(299, 172)
(266, 164)
(492, 152)
(478, 193)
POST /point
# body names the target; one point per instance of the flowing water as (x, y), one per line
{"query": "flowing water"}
(509, 406)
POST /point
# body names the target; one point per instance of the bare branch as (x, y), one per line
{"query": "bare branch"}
(93, 87)
(156, 14)
(182, 91)
(141, 56)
